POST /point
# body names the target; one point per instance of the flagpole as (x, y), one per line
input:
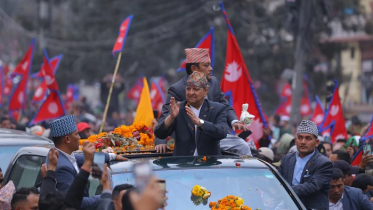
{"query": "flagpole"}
(110, 91)
(19, 115)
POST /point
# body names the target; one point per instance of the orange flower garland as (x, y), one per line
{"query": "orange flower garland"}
(124, 138)
(229, 202)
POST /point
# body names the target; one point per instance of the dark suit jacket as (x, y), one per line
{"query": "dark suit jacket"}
(313, 189)
(177, 91)
(65, 175)
(354, 199)
(208, 137)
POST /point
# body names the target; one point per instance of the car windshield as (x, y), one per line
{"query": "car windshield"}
(6, 155)
(259, 188)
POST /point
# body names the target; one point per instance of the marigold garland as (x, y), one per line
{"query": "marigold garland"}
(229, 202)
(124, 138)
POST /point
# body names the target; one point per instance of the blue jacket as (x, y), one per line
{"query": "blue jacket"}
(207, 139)
(314, 187)
(65, 175)
(215, 94)
(354, 199)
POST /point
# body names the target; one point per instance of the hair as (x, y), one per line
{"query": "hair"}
(117, 189)
(362, 181)
(52, 201)
(337, 174)
(57, 140)
(21, 195)
(341, 141)
(343, 155)
(277, 119)
(2, 119)
(188, 67)
(325, 142)
(264, 142)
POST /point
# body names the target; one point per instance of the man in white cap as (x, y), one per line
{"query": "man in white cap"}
(307, 171)
(64, 133)
(198, 59)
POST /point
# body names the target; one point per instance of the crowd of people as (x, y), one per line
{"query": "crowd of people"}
(199, 118)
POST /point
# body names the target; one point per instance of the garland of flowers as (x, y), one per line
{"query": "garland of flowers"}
(124, 139)
(229, 202)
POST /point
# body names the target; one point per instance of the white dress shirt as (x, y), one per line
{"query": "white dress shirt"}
(336, 206)
(71, 159)
(196, 112)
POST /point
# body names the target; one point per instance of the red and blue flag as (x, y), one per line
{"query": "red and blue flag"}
(123, 30)
(334, 118)
(237, 84)
(41, 90)
(51, 107)
(19, 95)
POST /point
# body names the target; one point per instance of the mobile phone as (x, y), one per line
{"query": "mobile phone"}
(142, 173)
(244, 134)
(98, 165)
(156, 114)
(367, 148)
(162, 185)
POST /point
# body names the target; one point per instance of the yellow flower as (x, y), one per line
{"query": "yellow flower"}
(239, 201)
(196, 189)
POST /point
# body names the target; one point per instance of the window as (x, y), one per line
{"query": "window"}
(259, 188)
(6, 155)
(26, 171)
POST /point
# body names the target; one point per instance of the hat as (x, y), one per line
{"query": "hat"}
(345, 167)
(82, 126)
(197, 55)
(38, 130)
(63, 126)
(265, 151)
(197, 79)
(307, 126)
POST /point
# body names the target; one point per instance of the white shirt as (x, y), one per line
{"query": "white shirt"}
(336, 206)
(196, 112)
(71, 159)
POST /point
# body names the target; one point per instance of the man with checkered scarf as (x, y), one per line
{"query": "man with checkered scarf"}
(307, 171)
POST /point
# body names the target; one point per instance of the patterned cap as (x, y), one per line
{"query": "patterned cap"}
(63, 126)
(307, 126)
(197, 79)
(197, 55)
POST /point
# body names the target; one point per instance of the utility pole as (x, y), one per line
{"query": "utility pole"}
(43, 19)
(303, 41)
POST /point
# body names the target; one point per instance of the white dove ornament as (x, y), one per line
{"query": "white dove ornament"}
(246, 117)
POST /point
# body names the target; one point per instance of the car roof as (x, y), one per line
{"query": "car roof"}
(41, 150)
(159, 163)
(16, 137)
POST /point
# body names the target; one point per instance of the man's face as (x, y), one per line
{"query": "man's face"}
(203, 68)
(87, 132)
(6, 124)
(348, 179)
(30, 204)
(306, 143)
(336, 189)
(333, 157)
(73, 140)
(195, 95)
(328, 149)
(118, 201)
